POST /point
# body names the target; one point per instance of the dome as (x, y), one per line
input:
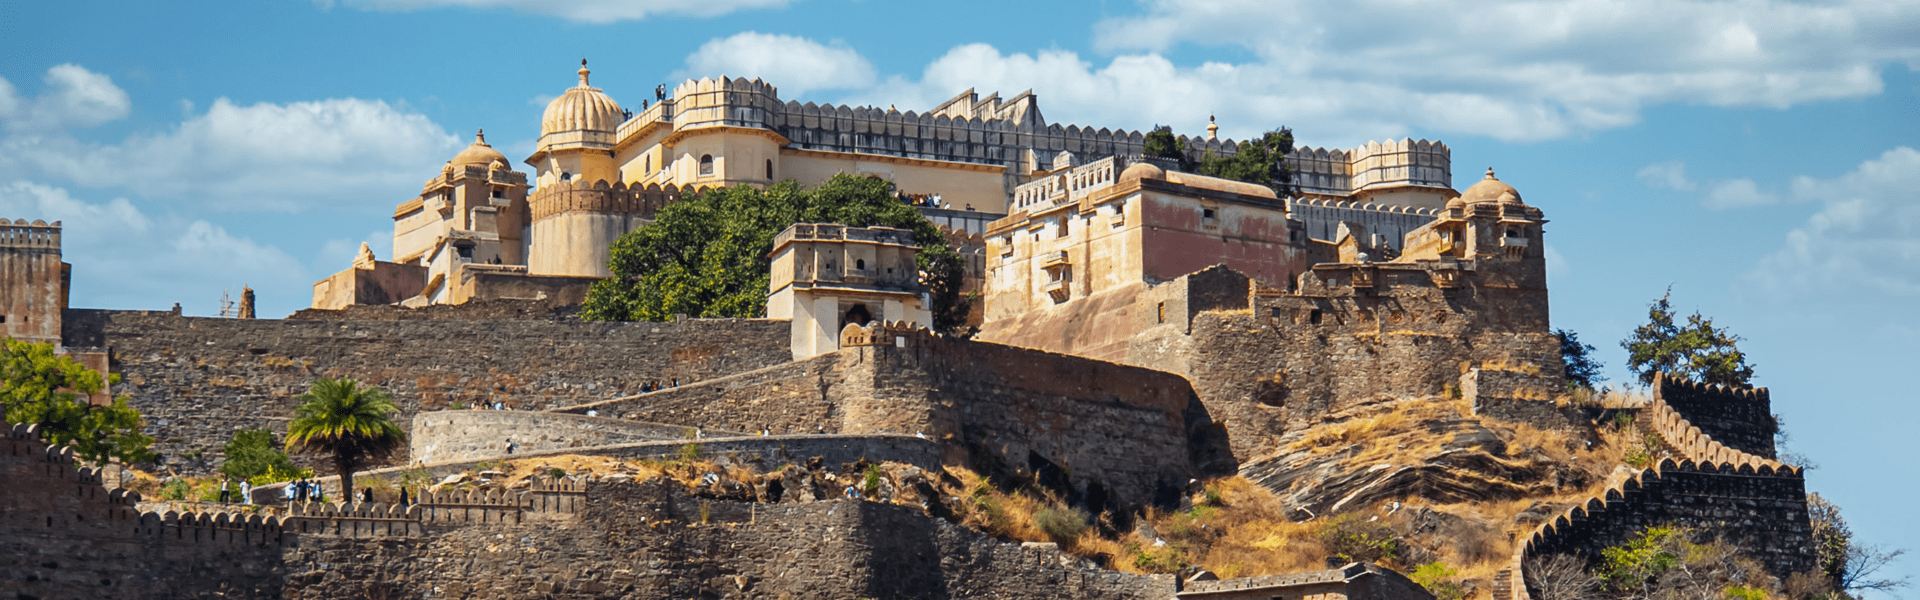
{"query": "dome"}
(479, 153)
(1489, 190)
(582, 107)
(1143, 170)
(1221, 185)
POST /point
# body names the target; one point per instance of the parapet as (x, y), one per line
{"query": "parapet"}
(38, 234)
(601, 197)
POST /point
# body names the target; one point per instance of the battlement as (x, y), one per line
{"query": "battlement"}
(601, 197)
(36, 235)
(1740, 419)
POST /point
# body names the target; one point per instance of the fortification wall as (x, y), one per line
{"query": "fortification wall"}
(1752, 501)
(995, 408)
(454, 435)
(1294, 358)
(1742, 419)
(199, 379)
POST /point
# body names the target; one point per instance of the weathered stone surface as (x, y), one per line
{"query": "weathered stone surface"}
(197, 380)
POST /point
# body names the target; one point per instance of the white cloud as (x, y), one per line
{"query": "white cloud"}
(1865, 238)
(1737, 193)
(74, 97)
(335, 254)
(281, 157)
(1671, 175)
(1516, 71)
(589, 11)
(125, 259)
(796, 64)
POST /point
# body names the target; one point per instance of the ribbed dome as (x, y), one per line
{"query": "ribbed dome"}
(582, 107)
(479, 153)
(1491, 190)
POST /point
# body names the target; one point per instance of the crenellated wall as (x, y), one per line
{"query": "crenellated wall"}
(1740, 419)
(1752, 501)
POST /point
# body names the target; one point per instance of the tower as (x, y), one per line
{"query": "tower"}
(33, 281)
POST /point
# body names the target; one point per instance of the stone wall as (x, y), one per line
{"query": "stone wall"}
(1356, 581)
(197, 380)
(1741, 418)
(451, 435)
(1289, 359)
(64, 536)
(1111, 431)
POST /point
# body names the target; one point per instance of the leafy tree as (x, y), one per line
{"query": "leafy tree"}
(708, 255)
(1847, 567)
(1161, 143)
(252, 453)
(1262, 161)
(38, 387)
(1583, 371)
(350, 422)
(1697, 350)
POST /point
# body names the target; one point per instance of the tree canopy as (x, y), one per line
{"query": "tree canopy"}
(1262, 161)
(253, 453)
(350, 422)
(1696, 350)
(1583, 371)
(39, 387)
(707, 255)
(1161, 143)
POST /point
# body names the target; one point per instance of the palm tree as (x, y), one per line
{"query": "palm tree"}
(341, 418)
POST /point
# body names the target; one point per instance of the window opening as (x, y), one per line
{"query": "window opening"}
(706, 164)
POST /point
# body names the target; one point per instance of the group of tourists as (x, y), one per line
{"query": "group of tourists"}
(227, 491)
(303, 490)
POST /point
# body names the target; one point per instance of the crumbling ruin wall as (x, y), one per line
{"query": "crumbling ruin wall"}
(197, 380)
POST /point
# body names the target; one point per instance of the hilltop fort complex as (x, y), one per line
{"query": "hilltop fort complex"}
(1141, 331)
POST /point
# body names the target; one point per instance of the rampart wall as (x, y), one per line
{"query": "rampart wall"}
(1751, 501)
(197, 380)
(1120, 432)
(63, 536)
(1741, 419)
(451, 435)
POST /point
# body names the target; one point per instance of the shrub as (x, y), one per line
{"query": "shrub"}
(690, 452)
(1441, 580)
(175, 489)
(252, 453)
(871, 486)
(1063, 525)
(1352, 539)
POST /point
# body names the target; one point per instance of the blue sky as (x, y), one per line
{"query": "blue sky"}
(1762, 157)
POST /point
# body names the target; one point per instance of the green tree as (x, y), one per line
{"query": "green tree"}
(40, 388)
(252, 453)
(350, 422)
(1262, 161)
(1161, 143)
(1583, 371)
(707, 255)
(1696, 350)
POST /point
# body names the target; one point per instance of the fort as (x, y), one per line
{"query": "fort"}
(1142, 332)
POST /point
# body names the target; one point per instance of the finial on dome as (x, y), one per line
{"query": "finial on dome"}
(1213, 129)
(480, 136)
(1490, 174)
(583, 73)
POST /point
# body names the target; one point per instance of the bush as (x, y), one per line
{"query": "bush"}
(690, 452)
(871, 487)
(1441, 580)
(1352, 539)
(1061, 524)
(175, 489)
(252, 453)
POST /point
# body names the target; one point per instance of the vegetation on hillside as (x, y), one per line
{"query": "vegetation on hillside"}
(1696, 350)
(1583, 370)
(41, 388)
(707, 255)
(253, 455)
(351, 423)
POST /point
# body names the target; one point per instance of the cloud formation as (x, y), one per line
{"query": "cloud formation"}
(343, 152)
(1865, 238)
(75, 97)
(124, 258)
(1515, 71)
(586, 11)
(798, 65)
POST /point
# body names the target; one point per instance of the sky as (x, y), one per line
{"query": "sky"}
(1758, 158)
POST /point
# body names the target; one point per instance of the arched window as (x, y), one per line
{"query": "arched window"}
(860, 264)
(565, 176)
(648, 166)
(706, 164)
(769, 169)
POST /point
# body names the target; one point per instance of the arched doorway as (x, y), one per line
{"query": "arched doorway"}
(858, 315)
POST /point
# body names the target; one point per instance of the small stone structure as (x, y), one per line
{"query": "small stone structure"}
(827, 277)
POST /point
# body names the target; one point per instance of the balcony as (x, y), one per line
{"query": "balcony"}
(1054, 259)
